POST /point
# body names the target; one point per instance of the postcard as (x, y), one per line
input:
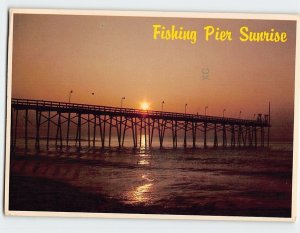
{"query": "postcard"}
(152, 115)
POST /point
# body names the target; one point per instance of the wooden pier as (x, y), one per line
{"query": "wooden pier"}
(140, 125)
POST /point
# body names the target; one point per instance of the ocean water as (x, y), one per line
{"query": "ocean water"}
(228, 182)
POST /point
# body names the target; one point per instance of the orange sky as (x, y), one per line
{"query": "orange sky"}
(117, 56)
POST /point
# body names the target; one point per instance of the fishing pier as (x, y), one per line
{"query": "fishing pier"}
(48, 120)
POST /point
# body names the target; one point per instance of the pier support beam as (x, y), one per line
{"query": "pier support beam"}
(141, 131)
(224, 136)
(94, 131)
(194, 131)
(58, 132)
(124, 132)
(232, 136)
(215, 136)
(174, 134)
(239, 136)
(185, 134)
(37, 126)
(78, 133)
(68, 128)
(109, 132)
(205, 135)
(149, 132)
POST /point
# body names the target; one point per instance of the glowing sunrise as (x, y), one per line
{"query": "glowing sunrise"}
(145, 105)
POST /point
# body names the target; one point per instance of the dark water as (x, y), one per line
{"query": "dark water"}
(184, 181)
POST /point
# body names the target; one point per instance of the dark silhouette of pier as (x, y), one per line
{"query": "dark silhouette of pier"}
(102, 121)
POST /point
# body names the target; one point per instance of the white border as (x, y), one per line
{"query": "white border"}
(161, 15)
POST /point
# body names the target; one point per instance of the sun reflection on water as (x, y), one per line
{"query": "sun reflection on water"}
(143, 162)
(146, 178)
(143, 151)
(143, 142)
(140, 193)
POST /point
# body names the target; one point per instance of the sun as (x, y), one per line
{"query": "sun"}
(145, 105)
